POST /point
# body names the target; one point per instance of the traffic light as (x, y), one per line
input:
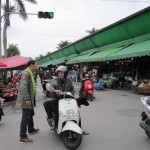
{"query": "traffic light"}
(45, 15)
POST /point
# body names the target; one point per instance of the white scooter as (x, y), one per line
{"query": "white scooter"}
(69, 121)
(145, 121)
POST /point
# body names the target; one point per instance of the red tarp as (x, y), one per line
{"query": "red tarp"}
(13, 62)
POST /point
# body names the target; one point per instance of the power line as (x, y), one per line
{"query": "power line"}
(40, 34)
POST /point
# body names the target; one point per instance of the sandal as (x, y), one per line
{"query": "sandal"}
(85, 133)
(52, 124)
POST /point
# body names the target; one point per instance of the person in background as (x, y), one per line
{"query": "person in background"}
(82, 80)
(41, 74)
(53, 73)
(74, 76)
(26, 96)
(15, 80)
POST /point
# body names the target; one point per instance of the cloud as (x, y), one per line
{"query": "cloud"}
(71, 19)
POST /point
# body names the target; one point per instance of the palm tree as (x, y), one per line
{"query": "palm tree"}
(8, 10)
(48, 53)
(63, 44)
(41, 56)
(13, 50)
(92, 31)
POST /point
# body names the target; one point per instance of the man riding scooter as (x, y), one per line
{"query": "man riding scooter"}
(58, 85)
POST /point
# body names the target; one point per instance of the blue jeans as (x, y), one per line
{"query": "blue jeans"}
(26, 121)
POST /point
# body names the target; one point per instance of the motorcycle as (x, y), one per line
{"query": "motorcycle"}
(88, 88)
(145, 121)
(45, 83)
(1, 109)
(69, 120)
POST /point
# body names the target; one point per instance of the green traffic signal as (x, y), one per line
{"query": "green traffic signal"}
(51, 14)
(45, 15)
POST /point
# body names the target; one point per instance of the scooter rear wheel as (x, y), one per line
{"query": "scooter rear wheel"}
(72, 139)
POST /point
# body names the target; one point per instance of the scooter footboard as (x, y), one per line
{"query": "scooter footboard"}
(70, 125)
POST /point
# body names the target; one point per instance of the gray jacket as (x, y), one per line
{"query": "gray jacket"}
(26, 90)
(67, 86)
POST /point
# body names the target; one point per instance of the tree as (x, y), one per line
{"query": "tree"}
(41, 56)
(36, 58)
(63, 44)
(92, 31)
(48, 53)
(10, 9)
(7, 8)
(13, 50)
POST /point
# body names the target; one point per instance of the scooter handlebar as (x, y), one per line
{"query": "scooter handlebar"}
(67, 95)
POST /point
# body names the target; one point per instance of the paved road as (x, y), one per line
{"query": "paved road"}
(112, 120)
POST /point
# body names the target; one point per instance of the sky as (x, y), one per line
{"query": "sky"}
(72, 18)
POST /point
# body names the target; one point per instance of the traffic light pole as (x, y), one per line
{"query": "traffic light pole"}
(1, 29)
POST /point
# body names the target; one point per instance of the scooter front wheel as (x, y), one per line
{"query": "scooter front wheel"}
(72, 139)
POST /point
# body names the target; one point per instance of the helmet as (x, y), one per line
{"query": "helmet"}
(87, 75)
(62, 69)
(84, 68)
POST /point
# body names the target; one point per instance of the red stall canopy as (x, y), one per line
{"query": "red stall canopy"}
(2, 65)
(13, 62)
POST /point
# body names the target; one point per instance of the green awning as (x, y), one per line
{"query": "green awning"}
(59, 61)
(52, 62)
(134, 50)
(45, 64)
(100, 55)
(78, 58)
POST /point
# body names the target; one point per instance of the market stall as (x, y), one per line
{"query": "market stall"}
(7, 90)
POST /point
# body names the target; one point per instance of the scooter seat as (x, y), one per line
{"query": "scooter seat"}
(148, 102)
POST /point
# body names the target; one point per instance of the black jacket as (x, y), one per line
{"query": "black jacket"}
(64, 86)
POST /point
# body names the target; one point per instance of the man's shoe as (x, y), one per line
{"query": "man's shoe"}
(33, 131)
(26, 140)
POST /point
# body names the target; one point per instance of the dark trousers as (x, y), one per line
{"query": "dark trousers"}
(26, 122)
(51, 108)
(48, 109)
(54, 106)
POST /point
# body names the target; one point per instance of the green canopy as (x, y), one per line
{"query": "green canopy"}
(45, 64)
(100, 55)
(134, 50)
(78, 58)
(59, 61)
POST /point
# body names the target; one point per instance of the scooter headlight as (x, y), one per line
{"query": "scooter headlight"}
(70, 114)
(90, 86)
